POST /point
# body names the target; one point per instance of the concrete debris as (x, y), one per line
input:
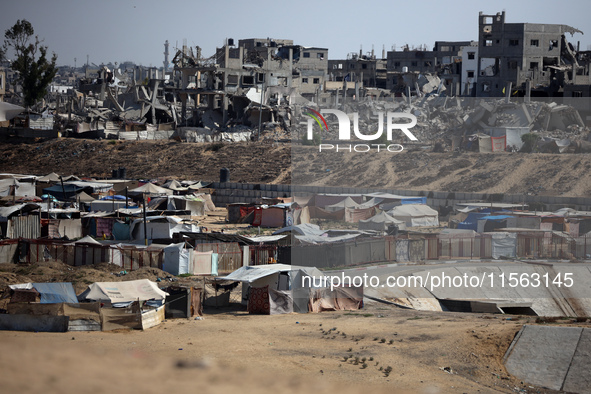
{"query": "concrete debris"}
(261, 89)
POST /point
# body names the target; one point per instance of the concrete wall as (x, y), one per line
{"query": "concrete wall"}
(230, 192)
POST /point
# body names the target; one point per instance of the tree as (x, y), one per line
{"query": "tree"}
(35, 70)
(530, 141)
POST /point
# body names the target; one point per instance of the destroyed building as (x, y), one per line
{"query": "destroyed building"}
(516, 53)
(229, 84)
(445, 61)
(367, 70)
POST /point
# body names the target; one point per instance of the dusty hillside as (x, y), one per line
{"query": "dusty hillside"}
(515, 173)
(247, 162)
(545, 174)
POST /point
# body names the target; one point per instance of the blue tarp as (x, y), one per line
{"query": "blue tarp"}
(63, 193)
(414, 200)
(115, 197)
(54, 293)
(120, 231)
(471, 222)
(496, 217)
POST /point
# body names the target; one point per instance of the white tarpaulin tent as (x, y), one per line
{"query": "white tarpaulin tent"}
(160, 227)
(176, 259)
(151, 189)
(123, 292)
(380, 222)
(415, 215)
(347, 202)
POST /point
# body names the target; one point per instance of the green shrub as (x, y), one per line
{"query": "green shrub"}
(530, 141)
(314, 141)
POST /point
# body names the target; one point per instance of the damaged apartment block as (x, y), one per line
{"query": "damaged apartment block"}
(523, 56)
(247, 84)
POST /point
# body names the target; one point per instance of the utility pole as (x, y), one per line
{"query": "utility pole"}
(261, 106)
(145, 224)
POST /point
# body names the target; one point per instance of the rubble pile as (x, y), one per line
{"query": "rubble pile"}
(455, 122)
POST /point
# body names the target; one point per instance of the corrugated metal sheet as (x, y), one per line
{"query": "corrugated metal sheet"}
(25, 227)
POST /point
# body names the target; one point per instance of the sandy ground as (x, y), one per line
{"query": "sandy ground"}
(427, 352)
(514, 173)
(544, 174)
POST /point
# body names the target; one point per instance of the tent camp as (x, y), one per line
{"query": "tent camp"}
(380, 222)
(415, 215)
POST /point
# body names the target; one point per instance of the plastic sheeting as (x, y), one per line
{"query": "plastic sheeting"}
(54, 293)
(338, 299)
(176, 259)
(504, 245)
(128, 291)
(202, 263)
(380, 222)
(120, 231)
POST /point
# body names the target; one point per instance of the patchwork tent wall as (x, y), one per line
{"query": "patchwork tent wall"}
(415, 215)
(380, 222)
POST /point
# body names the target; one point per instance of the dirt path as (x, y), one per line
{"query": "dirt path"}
(427, 352)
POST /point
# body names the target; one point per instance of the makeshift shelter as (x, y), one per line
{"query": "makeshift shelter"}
(280, 288)
(489, 223)
(347, 202)
(278, 215)
(159, 227)
(175, 186)
(269, 289)
(64, 192)
(415, 215)
(504, 245)
(204, 263)
(53, 177)
(336, 299)
(381, 222)
(110, 205)
(195, 205)
(50, 293)
(151, 190)
(16, 187)
(184, 302)
(121, 294)
(176, 259)
(21, 220)
(471, 221)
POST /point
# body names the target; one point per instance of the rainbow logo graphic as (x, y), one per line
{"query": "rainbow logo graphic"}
(317, 117)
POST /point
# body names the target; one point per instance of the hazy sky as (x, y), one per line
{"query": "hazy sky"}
(116, 31)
